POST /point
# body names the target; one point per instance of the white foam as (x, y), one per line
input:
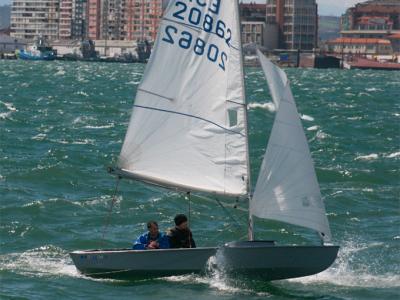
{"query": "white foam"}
(346, 274)
(45, 261)
(306, 118)
(372, 156)
(39, 137)
(321, 135)
(313, 128)
(82, 93)
(99, 127)
(216, 279)
(393, 155)
(373, 89)
(10, 107)
(268, 106)
(354, 118)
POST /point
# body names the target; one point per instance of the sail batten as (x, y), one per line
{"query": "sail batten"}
(287, 189)
(184, 130)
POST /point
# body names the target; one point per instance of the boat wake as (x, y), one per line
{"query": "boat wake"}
(217, 279)
(347, 271)
(43, 262)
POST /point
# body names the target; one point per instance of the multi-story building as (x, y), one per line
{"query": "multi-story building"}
(51, 19)
(79, 19)
(297, 22)
(65, 20)
(31, 18)
(142, 18)
(371, 19)
(253, 23)
(94, 9)
(124, 19)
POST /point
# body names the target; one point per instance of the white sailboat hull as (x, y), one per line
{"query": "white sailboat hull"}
(255, 259)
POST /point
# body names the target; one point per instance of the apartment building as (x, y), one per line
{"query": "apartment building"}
(94, 9)
(297, 22)
(142, 18)
(253, 23)
(32, 18)
(65, 19)
(124, 19)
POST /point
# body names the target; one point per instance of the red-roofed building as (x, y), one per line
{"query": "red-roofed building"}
(371, 19)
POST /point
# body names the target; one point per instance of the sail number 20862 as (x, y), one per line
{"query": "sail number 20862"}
(194, 16)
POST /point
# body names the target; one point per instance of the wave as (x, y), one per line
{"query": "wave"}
(99, 127)
(39, 137)
(42, 262)
(393, 155)
(372, 156)
(268, 106)
(373, 90)
(313, 128)
(306, 118)
(11, 109)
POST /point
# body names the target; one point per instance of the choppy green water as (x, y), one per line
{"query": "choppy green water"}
(62, 124)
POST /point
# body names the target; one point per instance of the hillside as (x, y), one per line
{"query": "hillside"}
(329, 27)
(5, 11)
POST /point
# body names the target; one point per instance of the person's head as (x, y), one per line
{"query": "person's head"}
(181, 221)
(152, 226)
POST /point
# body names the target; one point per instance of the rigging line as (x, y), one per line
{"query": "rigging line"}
(155, 94)
(190, 241)
(108, 217)
(235, 222)
(189, 115)
(238, 103)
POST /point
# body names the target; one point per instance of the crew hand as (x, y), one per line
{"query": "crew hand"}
(153, 245)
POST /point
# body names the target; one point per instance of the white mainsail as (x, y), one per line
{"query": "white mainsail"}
(188, 127)
(287, 188)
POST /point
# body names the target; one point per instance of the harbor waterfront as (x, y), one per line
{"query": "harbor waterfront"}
(62, 124)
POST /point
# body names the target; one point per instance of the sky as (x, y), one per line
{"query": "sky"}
(326, 7)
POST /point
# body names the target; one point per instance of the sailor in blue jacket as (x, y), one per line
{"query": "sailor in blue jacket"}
(152, 239)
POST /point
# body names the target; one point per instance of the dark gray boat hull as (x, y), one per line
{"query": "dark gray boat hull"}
(255, 259)
(271, 262)
(120, 263)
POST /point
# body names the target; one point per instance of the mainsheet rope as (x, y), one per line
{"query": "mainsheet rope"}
(107, 219)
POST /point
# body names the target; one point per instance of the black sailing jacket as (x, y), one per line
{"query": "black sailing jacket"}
(179, 238)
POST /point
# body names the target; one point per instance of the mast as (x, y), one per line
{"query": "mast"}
(250, 231)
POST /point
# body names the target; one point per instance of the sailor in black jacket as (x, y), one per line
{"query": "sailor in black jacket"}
(180, 236)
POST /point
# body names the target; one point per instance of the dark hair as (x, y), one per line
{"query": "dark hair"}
(149, 223)
(179, 219)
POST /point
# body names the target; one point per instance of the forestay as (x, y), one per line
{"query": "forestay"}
(187, 128)
(287, 189)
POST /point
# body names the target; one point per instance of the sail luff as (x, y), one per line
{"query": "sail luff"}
(287, 189)
(250, 217)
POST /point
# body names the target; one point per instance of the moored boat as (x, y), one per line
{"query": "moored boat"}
(40, 50)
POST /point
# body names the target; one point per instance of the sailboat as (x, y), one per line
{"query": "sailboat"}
(188, 132)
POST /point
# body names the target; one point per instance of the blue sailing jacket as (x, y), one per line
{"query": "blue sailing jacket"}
(144, 240)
